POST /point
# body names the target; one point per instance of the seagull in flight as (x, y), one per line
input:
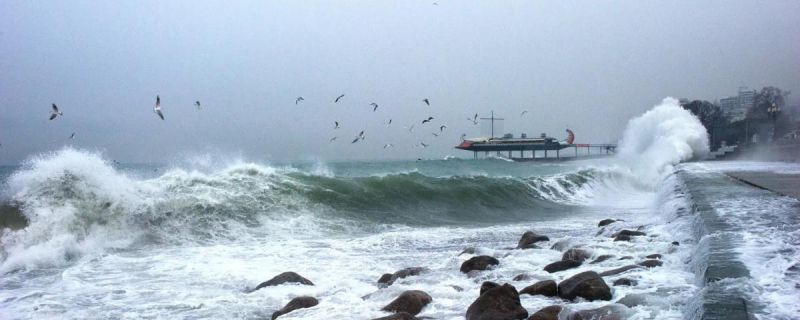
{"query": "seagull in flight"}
(523, 113)
(389, 124)
(337, 99)
(423, 145)
(427, 120)
(410, 129)
(435, 135)
(474, 120)
(56, 113)
(197, 104)
(375, 105)
(157, 108)
(72, 136)
(426, 101)
(336, 124)
(388, 145)
(334, 138)
(442, 128)
(298, 100)
(359, 136)
(463, 136)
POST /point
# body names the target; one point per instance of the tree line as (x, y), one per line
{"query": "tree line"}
(759, 121)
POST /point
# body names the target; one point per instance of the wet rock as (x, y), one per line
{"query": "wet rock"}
(609, 312)
(625, 282)
(654, 256)
(561, 266)
(399, 316)
(562, 245)
(457, 288)
(470, 250)
(529, 238)
(547, 313)
(478, 263)
(407, 272)
(602, 258)
(547, 288)
(619, 270)
(497, 303)
(651, 263)
(676, 243)
(522, 277)
(606, 222)
(631, 233)
(286, 277)
(486, 286)
(411, 301)
(385, 278)
(296, 303)
(626, 258)
(622, 237)
(588, 285)
(576, 254)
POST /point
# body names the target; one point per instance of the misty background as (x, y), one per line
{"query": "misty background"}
(589, 66)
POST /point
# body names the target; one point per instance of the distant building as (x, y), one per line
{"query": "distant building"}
(736, 106)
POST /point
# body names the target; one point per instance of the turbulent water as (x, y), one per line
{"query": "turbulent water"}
(188, 240)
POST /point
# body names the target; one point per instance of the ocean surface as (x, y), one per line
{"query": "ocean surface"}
(190, 240)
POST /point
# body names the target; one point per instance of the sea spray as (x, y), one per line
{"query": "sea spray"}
(659, 139)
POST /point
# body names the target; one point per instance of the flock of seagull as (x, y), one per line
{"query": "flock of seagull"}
(157, 109)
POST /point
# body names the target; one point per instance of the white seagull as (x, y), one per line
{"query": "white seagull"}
(435, 135)
(334, 138)
(427, 120)
(388, 145)
(389, 124)
(426, 101)
(337, 99)
(523, 113)
(410, 129)
(197, 104)
(157, 108)
(56, 113)
(336, 125)
(359, 136)
(375, 105)
(474, 120)
(423, 145)
(442, 128)
(298, 100)
(72, 136)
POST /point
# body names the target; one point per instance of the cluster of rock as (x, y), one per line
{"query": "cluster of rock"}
(496, 301)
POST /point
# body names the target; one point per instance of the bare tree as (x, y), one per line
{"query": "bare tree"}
(709, 114)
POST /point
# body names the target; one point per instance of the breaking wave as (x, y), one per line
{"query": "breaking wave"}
(77, 203)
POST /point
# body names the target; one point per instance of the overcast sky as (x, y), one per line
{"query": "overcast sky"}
(589, 65)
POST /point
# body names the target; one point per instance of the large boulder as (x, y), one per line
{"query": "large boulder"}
(522, 277)
(576, 254)
(561, 265)
(601, 258)
(478, 263)
(547, 288)
(606, 222)
(488, 285)
(528, 238)
(651, 263)
(286, 277)
(411, 301)
(547, 313)
(296, 303)
(622, 237)
(497, 303)
(609, 312)
(407, 272)
(588, 285)
(619, 270)
(654, 256)
(399, 316)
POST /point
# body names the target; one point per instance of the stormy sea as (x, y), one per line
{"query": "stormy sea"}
(87, 238)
